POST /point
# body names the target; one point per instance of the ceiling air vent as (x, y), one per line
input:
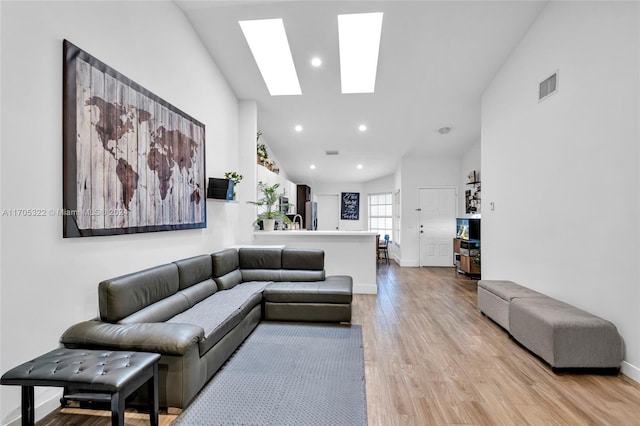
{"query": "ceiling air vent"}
(548, 86)
(332, 152)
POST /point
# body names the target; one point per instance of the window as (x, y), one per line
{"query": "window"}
(381, 214)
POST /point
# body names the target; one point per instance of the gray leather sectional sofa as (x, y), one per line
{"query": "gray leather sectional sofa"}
(195, 312)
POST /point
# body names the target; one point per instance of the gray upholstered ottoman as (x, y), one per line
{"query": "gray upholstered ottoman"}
(563, 335)
(318, 301)
(494, 297)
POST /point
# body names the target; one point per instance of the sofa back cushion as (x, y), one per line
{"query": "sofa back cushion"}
(224, 261)
(225, 269)
(307, 259)
(194, 270)
(261, 275)
(230, 280)
(302, 265)
(198, 292)
(301, 275)
(260, 258)
(122, 296)
(160, 311)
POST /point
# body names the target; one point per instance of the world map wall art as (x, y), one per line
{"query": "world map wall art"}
(132, 162)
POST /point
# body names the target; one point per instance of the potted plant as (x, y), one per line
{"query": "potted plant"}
(236, 178)
(269, 201)
(261, 150)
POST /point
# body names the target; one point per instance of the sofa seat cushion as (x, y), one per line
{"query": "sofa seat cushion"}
(221, 312)
(334, 289)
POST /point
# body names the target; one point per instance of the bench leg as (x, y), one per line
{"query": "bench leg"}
(28, 415)
(117, 409)
(152, 385)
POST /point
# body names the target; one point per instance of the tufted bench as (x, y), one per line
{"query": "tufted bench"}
(88, 375)
(324, 301)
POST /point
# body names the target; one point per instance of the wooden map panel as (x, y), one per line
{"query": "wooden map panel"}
(132, 161)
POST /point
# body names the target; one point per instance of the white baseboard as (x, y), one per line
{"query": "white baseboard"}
(365, 289)
(409, 263)
(42, 410)
(631, 371)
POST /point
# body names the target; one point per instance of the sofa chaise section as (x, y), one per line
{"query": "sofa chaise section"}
(299, 289)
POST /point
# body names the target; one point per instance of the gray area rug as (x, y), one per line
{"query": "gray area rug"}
(287, 374)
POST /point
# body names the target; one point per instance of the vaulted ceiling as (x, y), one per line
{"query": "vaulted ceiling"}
(435, 60)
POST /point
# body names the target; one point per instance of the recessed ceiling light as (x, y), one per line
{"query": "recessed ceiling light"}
(313, 166)
(298, 128)
(268, 42)
(359, 166)
(316, 62)
(362, 127)
(445, 130)
(359, 43)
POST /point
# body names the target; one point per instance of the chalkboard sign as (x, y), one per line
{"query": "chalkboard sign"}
(350, 206)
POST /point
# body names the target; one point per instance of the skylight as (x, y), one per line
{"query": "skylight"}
(359, 35)
(268, 42)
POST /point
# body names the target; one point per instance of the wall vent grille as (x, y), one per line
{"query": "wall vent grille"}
(548, 86)
(332, 152)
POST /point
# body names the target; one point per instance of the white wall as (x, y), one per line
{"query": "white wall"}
(49, 283)
(416, 173)
(247, 189)
(564, 173)
(385, 184)
(337, 189)
(1, 204)
(470, 162)
(379, 186)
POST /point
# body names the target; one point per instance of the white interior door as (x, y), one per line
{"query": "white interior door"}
(437, 227)
(328, 212)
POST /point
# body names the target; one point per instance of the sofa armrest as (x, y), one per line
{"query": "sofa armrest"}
(159, 337)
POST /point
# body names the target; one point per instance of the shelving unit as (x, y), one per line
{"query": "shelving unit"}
(464, 253)
(466, 247)
(473, 195)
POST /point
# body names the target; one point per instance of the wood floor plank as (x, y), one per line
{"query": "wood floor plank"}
(431, 358)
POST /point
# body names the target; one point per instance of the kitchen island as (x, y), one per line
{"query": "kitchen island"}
(346, 252)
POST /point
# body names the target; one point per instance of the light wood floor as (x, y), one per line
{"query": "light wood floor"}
(431, 358)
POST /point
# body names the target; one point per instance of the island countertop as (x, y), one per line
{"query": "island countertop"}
(351, 253)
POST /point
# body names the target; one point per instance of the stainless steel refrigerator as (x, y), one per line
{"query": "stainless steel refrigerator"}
(311, 216)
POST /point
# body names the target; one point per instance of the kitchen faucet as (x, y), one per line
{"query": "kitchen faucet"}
(294, 220)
